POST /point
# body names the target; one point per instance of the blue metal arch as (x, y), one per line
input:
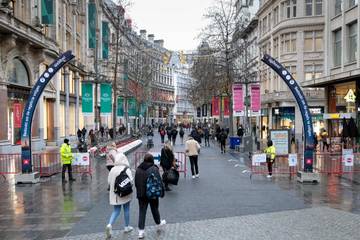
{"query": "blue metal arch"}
(30, 107)
(303, 106)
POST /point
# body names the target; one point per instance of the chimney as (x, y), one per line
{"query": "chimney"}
(159, 42)
(151, 38)
(143, 34)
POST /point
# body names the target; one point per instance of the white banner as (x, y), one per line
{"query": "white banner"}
(82, 159)
(257, 159)
(349, 160)
(292, 160)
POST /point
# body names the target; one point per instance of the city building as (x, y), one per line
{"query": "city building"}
(341, 77)
(184, 111)
(292, 32)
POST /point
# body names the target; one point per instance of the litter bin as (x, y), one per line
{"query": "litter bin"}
(234, 141)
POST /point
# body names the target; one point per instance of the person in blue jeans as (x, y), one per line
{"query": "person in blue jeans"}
(120, 163)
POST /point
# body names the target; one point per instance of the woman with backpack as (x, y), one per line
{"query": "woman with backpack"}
(149, 188)
(121, 169)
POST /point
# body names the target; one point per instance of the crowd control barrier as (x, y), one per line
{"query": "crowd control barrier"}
(180, 156)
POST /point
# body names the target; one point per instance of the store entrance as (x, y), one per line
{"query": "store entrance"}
(49, 133)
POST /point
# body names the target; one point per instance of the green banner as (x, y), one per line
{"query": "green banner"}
(105, 40)
(131, 102)
(120, 107)
(92, 24)
(47, 11)
(105, 98)
(87, 97)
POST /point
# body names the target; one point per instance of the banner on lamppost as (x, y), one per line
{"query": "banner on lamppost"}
(238, 100)
(215, 106)
(105, 40)
(131, 102)
(105, 99)
(120, 107)
(226, 106)
(47, 12)
(87, 98)
(92, 24)
(255, 98)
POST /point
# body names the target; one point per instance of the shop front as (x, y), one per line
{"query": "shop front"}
(317, 115)
(284, 118)
(264, 123)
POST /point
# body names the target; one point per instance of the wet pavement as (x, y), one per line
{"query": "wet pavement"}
(53, 210)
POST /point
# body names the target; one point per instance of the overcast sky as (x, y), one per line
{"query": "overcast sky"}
(178, 22)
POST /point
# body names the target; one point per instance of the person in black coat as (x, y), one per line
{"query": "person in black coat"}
(222, 138)
(145, 169)
(195, 135)
(207, 137)
(181, 133)
(168, 132)
(174, 133)
(167, 161)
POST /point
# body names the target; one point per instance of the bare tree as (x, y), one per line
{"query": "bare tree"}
(218, 34)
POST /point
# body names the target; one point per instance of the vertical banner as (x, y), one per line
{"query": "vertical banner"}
(215, 106)
(143, 109)
(17, 115)
(47, 12)
(131, 102)
(238, 100)
(255, 98)
(226, 106)
(105, 99)
(105, 40)
(87, 98)
(92, 24)
(120, 107)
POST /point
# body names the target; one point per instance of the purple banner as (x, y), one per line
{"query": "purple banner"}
(255, 98)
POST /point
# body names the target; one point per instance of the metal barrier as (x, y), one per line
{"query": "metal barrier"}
(335, 163)
(280, 166)
(180, 156)
(47, 164)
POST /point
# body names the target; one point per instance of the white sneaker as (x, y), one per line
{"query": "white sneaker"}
(128, 229)
(193, 176)
(159, 226)
(141, 234)
(197, 176)
(108, 231)
(269, 176)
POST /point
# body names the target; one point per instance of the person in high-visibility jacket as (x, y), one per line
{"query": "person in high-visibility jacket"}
(270, 156)
(66, 159)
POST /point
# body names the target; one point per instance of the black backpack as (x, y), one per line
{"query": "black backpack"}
(122, 185)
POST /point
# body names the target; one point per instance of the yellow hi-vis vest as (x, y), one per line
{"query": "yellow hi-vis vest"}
(65, 154)
(270, 151)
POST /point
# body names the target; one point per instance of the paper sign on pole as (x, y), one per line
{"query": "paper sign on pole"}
(81, 159)
(257, 159)
(349, 160)
(292, 160)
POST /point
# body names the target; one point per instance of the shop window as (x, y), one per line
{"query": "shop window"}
(18, 73)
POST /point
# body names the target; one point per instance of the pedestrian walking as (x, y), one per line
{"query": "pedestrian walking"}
(207, 137)
(168, 132)
(66, 159)
(181, 133)
(192, 149)
(118, 198)
(162, 135)
(222, 138)
(167, 161)
(270, 156)
(111, 152)
(325, 139)
(174, 133)
(316, 142)
(147, 178)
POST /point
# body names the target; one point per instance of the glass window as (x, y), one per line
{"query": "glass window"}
(276, 48)
(318, 40)
(338, 7)
(18, 73)
(313, 71)
(308, 7)
(337, 47)
(308, 41)
(352, 42)
(318, 7)
(293, 42)
(352, 3)
(318, 71)
(308, 72)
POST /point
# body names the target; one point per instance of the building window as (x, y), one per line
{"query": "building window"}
(308, 7)
(18, 73)
(288, 42)
(308, 41)
(352, 3)
(337, 47)
(338, 7)
(289, 9)
(318, 7)
(313, 71)
(318, 40)
(276, 47)
(276, 16)
(352, 50)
